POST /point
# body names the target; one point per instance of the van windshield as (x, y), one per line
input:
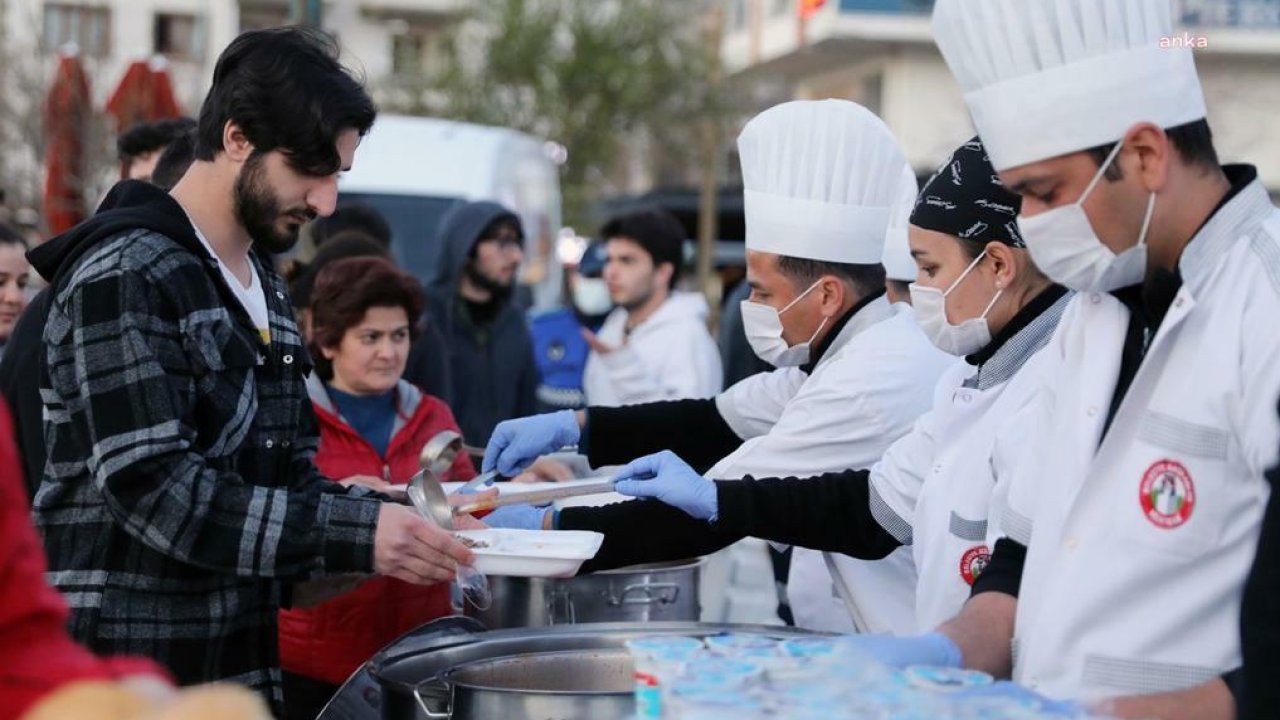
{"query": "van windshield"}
(414, 221)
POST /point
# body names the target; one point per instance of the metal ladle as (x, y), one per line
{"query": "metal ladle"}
(428, 497)
(443, 448)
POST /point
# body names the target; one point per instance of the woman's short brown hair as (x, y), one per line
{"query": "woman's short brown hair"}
(345, 290)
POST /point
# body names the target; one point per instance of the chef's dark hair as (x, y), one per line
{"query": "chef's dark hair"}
(1193, 141)
(149, 137)
(286, 90)
(865, 279)
(654, 229)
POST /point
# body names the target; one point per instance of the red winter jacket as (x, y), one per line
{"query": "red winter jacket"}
(36, 654)
(330, 641)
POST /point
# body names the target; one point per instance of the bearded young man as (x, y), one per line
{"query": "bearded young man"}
(654, 346)
(179, 504)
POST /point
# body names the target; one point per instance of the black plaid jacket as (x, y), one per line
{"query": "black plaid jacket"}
(179, 498)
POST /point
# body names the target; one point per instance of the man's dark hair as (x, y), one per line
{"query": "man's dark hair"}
(356, 216)
(149, 137)
(901, 287)
(654, 229)
(865, 279)
(286, 90)
(352, 243)
(174, 161)
(9, 236)
(1193, 141)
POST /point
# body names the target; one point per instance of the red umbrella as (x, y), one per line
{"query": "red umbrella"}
(145, 94)
(66, 119)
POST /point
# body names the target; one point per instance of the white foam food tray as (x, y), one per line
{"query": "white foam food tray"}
(532, 553)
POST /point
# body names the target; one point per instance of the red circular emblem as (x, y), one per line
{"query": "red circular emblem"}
(1167, 494)
(973, 562)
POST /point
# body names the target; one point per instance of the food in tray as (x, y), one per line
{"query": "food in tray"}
(473, 543)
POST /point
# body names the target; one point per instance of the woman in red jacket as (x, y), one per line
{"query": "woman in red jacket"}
(373, 425)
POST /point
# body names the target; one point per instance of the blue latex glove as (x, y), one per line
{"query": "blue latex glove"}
(515, 444)
(933, 649)
(1014, 691)
(517, 517)
(668, 478)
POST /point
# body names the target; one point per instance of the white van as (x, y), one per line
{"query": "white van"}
(413, 169)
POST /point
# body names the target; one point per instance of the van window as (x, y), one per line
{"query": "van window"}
(414, 221)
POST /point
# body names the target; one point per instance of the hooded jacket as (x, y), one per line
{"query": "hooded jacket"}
(122, 209)
(492, 366)
(180, 499)
(330, 641)
(669, 356)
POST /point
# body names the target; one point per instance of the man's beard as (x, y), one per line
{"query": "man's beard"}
(258, 209)
(499, 290)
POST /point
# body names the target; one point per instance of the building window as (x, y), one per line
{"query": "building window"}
(177, 37)
(259, 15)
(88, 27)
(407, 53)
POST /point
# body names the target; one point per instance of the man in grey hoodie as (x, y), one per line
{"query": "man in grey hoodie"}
(494, 377)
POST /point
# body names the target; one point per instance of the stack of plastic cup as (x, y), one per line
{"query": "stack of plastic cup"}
(658, 661)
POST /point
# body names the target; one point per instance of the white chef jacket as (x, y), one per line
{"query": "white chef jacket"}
(868, 388)
(1138, 546)
(669, 356)
(937, 489)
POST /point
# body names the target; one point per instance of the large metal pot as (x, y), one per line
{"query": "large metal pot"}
(565, 684)
(452, 668)
(641, 593)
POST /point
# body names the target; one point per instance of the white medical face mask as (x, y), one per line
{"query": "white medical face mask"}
(1063, 245)
(763, 326)
(591, 296)
(930, 306)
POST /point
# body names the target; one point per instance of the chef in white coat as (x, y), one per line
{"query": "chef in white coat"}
(938, 490)
(855, 371)
(899, 266)
(1135, 511)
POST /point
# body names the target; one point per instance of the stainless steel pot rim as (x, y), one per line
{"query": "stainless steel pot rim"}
(447, 676)
(651, 567)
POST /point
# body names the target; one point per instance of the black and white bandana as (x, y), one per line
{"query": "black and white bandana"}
(965, 198)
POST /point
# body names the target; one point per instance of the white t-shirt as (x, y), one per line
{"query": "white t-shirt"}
(253, 298)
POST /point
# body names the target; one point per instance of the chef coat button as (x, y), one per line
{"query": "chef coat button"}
(279, 294)
(1092, 411)
(1177, 303)
(288, 359)
(284, 443)
(1095, 298)
(937, 469)
(270, 444)
(965, 397)
(1072, 543)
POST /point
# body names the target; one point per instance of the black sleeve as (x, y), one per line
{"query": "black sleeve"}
(830, 512)
(692, 429)
(644, 531)
(20, 383)
(1260, 620)
(1004, 573)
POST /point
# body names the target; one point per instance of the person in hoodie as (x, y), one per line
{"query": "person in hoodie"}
(655, 345)
(373, 425)
(180, 505)
(491, 364)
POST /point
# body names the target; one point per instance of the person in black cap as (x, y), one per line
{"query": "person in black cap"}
(559, 346)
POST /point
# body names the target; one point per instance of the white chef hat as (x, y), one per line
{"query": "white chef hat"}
(819, 178)
(897, 260)
(1044, 78)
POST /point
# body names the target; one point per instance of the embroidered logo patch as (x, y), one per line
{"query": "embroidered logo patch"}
(1167, 494)
(973, 562)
